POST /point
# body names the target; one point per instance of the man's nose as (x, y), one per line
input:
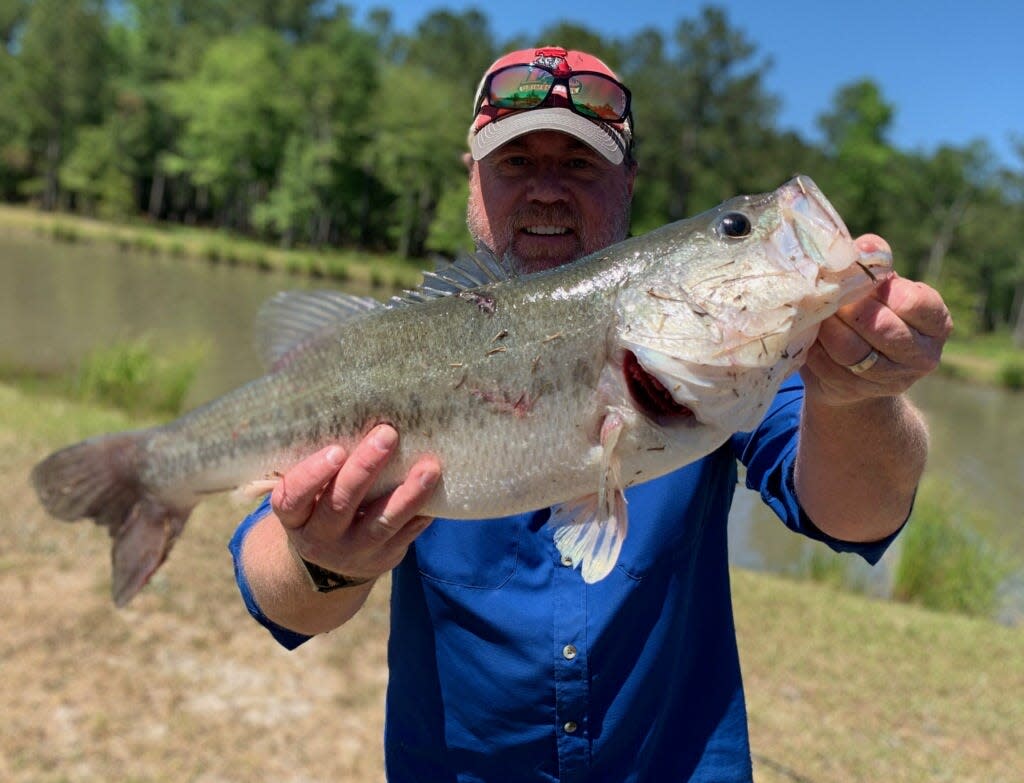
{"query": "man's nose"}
(547, 186)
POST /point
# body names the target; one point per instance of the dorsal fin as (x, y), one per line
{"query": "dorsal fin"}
(290, 318)
(468, 271)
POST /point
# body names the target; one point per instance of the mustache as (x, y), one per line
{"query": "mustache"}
(553, 215)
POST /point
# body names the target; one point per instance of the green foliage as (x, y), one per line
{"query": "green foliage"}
(59, 83)
(824, 566)
(1011, 373)
(415, 150)
(93, 174)
(943, 565)
(713, 139)
(62, 232)
(448, 234)
(235, 119)
(291, 123)
(132, 376)
(860, 179)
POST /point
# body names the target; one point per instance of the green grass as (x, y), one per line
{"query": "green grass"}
(46, 418)
(133, 376)
(217, 247)
(991, 359)
(1011, 373)
(942, 563)
(845, 688)
(945, 565)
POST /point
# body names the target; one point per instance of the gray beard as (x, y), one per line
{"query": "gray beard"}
(521, 266)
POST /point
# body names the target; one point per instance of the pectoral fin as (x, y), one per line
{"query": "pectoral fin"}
(590, 531)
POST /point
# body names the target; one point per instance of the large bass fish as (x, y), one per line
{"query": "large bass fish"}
(561, 388)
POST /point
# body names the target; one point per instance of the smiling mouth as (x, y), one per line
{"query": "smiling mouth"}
(546, 231)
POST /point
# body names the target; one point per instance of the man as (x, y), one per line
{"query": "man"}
(504, 664)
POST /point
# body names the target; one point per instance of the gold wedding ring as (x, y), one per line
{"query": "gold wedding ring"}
(864, 364)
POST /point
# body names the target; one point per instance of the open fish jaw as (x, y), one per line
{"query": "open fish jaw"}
(722, 337)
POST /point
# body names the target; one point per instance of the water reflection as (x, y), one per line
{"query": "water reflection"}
(61, 301)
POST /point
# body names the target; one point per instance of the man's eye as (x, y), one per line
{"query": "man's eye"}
(515, 160)
(579, 163)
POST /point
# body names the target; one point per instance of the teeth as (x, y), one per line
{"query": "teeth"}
(546, 230)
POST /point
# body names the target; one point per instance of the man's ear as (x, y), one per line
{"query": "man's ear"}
(631, 170)
(467, 161)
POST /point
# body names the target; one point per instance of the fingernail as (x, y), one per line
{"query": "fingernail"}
(429, 478)
(335, 455)
(384, 438)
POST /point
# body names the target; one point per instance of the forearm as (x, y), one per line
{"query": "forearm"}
(858, 465)
(281, 587)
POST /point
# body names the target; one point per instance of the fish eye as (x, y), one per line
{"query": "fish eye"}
(734, 225)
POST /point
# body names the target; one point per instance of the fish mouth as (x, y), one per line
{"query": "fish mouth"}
(649, 394)
(819, 233)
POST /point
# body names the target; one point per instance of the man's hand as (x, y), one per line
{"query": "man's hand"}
(903, 322)
(862, 444)
(320, 504)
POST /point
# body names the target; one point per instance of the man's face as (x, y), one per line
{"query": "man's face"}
(547, 198)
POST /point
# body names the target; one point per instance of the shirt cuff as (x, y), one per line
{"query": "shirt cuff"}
(286, 638)
(788, 506)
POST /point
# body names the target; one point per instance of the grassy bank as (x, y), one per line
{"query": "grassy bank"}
(991, 359)
(215, 247)
(182, 685)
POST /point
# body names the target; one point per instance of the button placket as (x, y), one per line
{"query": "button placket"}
(572, 696)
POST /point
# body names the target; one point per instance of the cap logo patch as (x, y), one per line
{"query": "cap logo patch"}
(556, 64)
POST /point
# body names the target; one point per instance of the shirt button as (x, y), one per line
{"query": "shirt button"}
(569, 652)
(567, 561)
(570, 727)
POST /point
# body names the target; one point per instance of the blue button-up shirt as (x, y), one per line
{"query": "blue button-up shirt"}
(506, 665)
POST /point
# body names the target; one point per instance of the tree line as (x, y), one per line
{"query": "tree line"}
(287, 120)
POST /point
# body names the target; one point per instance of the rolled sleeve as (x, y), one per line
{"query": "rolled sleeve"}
(283, 636)
(769, 454)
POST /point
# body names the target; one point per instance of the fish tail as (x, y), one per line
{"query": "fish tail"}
(99, 479)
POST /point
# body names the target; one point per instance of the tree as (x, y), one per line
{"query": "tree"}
(861, 176)
(416, 151)
(455, 47)
(236, 119)
(703, 116)
(13, 152)
(12, 16)
(95, 174)
(60, 82)
(322, 188)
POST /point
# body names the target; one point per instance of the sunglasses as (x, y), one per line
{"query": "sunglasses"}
(591, 94)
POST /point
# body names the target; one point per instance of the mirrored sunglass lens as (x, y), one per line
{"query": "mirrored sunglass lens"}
(520, 88)
(597, 97)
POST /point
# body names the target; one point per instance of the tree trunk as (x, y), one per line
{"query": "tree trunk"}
(52, 184)
(947, 231)
(1018, 330)
(156, 195)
